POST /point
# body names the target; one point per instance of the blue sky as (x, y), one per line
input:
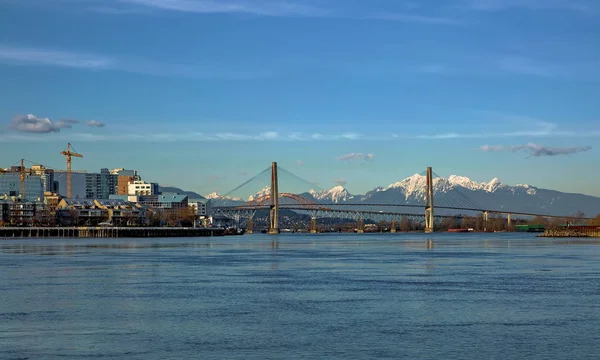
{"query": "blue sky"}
(202, 94)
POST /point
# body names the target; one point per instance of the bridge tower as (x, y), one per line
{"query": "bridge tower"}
(274, 206)
(429, 219)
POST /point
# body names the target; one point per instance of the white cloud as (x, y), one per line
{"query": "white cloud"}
(356, 156)
(33, 124)
(299, 162)
(95, 123)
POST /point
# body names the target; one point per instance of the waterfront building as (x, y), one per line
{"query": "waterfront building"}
(166, 201)
(122, 213)
(4, 212)
(10, 187)
(93, 212)
(139, 187)
(200, 206)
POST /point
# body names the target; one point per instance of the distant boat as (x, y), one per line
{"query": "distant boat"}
(458, 230)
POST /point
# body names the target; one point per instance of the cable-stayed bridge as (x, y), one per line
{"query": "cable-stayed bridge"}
(276, 189)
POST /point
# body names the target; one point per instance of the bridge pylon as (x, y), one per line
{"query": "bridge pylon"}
(274, 206)
(250, 226)
(361, 225)
(429, 218)
(485, 220)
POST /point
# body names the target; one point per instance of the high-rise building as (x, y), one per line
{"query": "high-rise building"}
(100, 185)
(10, 187)
(47, 176)
(78, 184)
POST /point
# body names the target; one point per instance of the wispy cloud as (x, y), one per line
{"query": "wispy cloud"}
(340, 182)
(537, 150)
(257, 7)
(356, 156)
(28, 56)
(527, 66)
(500, 5)
(537, 128)
(299, 162)
(415, 18)
(95, 123)
(61, 58)
(188, 136)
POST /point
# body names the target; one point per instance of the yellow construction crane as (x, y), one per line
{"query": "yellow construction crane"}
(68, 153)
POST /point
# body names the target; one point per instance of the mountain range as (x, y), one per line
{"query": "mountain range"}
(455, 191)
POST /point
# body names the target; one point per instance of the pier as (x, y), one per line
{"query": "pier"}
(106, 232)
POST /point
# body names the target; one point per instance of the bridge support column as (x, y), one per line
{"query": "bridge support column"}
(250, 226)
(361, 225)
(429, 218)
(274, 208)
(509, 221)
(485, 220)
(393, 226)
(313, 225)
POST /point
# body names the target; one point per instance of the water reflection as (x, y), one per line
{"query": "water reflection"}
(71, 247)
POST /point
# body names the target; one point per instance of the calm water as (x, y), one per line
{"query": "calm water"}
(461, 296)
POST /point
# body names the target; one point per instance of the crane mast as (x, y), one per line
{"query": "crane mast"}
(68, 154)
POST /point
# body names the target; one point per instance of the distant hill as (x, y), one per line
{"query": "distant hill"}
(171, 189)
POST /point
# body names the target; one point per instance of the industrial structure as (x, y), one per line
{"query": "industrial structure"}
(68, 154)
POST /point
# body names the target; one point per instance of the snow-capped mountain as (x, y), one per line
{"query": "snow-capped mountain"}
(214, 195)
(335, 195)
(462, 192)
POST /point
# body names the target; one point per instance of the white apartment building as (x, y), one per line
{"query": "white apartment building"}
(140, 187)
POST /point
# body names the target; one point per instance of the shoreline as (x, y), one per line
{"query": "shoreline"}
(106, 232)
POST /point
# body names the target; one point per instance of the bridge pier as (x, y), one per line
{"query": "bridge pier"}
(509, 223)
(393, 226)
(274, 207)
(429, 218)
(313, 225)
(361, 225)
(250, 226)
(485, 221)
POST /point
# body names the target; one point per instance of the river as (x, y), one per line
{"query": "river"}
(300, 296)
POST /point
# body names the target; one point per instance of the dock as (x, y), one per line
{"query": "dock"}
(106, 232)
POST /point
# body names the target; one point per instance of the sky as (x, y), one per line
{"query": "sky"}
(203, 94)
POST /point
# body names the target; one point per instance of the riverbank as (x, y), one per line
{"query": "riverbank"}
(106, 232)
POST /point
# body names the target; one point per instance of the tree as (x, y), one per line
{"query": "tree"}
(405, 224)
(595, 221)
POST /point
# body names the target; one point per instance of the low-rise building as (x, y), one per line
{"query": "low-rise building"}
(200, 206)
(80, 212)
(4, 213)
(140, 187)
(123, 213)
